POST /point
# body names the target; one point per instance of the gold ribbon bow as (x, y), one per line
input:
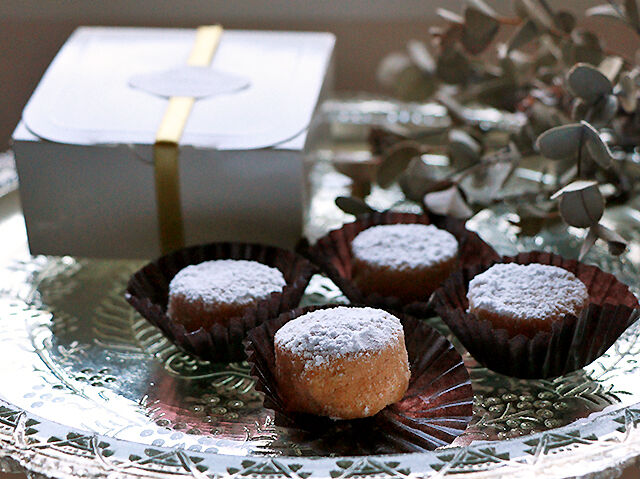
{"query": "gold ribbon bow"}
(166, 150)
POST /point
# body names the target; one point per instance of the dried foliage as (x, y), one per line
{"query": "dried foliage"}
(551, 91)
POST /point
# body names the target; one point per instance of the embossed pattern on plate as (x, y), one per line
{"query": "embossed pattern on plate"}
(92, 389)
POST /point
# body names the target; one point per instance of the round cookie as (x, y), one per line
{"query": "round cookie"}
(525, 299)
(408, 261)
(215, 291)
(341, 362)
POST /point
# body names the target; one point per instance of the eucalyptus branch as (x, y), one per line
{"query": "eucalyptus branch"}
(551, 90)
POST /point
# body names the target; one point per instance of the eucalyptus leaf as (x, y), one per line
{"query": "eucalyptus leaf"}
(535, 11)
(390, 68)
(616, 243)
(450, 16)
(581, 203)
(353, 206)
(464, 150)
(413, 84)
(628, 92)
(603, 11)
(542, 117)
(451, 36)
(569, 175)
(526, 33)
(449, 202)
(565, 21)
(588, 83)
(561, 142)
(597, 148)
(604, 110)
(529, 226)
(421, 178)
(479, 30)
(588, 243)
(453, 67)
(357, 165)
(421, 57)
(483, 7)
(583, 46)
(611, 66)
(395, 160)
(579, 109)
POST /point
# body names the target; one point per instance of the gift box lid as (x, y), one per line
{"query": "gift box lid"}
(111, 86)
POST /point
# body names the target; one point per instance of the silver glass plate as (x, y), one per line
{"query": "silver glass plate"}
(91, 389)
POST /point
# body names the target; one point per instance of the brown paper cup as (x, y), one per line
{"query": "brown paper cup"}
(332, 253)
(435, 409)
(148, 293)
(572, 343)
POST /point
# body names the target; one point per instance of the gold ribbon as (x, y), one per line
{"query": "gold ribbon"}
(166, 150)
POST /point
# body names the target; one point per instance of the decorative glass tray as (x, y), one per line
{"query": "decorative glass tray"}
(91, 389)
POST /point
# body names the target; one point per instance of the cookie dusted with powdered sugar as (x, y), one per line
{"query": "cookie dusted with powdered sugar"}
(526, 298)
(215, 291)
(342, 362)
(407, 261)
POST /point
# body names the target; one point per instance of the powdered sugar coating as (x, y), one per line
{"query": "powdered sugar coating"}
(533, 291)
(324, 334)
(404, 246)
(227, 281)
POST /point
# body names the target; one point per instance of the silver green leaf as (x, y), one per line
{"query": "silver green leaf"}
(582, 47)
(561, 142)
(421, 57)
(579, 109)
(581, 203)
(526, 33)
(453, 67)
(534, 10)
(588, 83)
(464, 150)
(597, 148)
(449, 202)
(449, 16)
(605, 110)
(588, 243)
(616, 243)
(565, 21)
(603, 11)
(413, 84)
(353, 206)
(421, 178)
(395, 160)
(628, 92)
(483, 7)
(390, 68)
(479, 30)
(611, 66)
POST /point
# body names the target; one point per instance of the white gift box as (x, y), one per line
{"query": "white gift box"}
(84, 147)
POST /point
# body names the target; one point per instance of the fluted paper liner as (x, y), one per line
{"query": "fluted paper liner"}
(572, 343)
(435, 409)
(332, 253)
(148, 293)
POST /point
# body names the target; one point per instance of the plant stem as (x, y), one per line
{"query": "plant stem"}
(546, 6)
(579, 174)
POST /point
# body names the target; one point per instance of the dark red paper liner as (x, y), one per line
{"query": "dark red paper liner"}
(435, 409)
(332, 253)
(573, 341)
(148, 293)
